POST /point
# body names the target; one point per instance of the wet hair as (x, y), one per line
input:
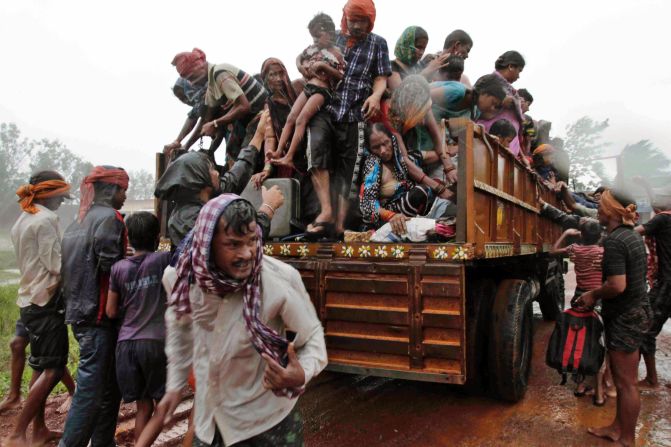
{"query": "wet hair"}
(420, 33)
(455, 36)
(590, 231)
(600, 190)
(43, 176)
(454, 68)
(375, 127)
(237, 216)
(509, 58)
(503, 129)
(321, 22)
(524, 93)
(143, 229)
(490, 84)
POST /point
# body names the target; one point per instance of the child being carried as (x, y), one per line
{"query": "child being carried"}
(324, 66)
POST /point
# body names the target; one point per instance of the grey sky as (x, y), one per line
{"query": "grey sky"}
(97, 76)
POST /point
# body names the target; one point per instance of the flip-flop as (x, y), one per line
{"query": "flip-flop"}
(582, 393)
(326, 231)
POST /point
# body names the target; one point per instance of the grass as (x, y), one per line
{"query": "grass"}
(9, 312)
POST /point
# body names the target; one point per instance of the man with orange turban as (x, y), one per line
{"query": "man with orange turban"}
(625, 310)
(357, 100)
(234, 101)
(91, 245)
(36, 237)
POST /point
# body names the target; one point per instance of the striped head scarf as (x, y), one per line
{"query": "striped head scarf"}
(43, 190)
(194, 265)
(188, 61)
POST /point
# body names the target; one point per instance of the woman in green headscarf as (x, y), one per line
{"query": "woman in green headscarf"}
(408, 51)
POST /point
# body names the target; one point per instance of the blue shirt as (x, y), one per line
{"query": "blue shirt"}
(366, 60)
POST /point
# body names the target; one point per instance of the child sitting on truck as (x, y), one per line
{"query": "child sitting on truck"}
(586, 256)
(324, 62)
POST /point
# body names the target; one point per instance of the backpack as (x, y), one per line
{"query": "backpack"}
(576, 346)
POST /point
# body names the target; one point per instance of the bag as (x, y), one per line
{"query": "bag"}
(576, 345)
(291, 210)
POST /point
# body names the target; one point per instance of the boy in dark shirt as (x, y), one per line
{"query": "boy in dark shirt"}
(136, 296)
(625, 310)
(658, 238)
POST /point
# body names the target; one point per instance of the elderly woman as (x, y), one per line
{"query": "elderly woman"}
(508, 67)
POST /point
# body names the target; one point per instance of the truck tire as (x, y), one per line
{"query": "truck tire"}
(510, 341)
(551, 298)
(478, 310)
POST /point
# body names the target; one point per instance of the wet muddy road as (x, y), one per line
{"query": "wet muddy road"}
(346, 410)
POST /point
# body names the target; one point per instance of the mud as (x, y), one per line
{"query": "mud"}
(343, 410)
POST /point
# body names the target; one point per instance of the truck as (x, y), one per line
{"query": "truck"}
(454, 313)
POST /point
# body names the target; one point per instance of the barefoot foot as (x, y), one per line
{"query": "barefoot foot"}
(9, 403)
(648, 383)
(284, 161)
(610, 432)
(43, 437)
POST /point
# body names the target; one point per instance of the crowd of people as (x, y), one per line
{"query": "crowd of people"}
(361, 134)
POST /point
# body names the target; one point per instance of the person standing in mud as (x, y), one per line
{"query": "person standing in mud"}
(36, 237)
(228, 311)
(91, 245)
(625, 310)
(657, 233)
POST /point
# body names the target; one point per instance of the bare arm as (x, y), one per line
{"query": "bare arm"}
(558, 248)
(419, 176)
(328, 70)
(112, 307)
(394, 81)
(371, 107)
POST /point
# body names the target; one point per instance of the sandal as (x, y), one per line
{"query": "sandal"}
(325, 231)
(582, 393)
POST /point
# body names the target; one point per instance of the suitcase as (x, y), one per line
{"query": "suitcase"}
(280, 226)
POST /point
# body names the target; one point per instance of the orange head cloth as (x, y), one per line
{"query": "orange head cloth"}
(99, 174)
(357, 8)
(188, 61)
(543, 149)
(43, 190)
(612, 208)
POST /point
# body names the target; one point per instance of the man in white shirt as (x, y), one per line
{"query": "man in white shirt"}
(36, 237)
(229, 310)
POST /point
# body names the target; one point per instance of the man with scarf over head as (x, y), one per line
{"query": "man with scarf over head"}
(91, 244)
(229, 309)
(337, 145)
(625, 310)
(36, 237)
(234, 99)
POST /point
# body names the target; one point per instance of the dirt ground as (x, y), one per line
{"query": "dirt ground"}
(345, 410)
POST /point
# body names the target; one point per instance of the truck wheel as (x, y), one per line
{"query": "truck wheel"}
(480, 297)
(551, 298)
(510, 341)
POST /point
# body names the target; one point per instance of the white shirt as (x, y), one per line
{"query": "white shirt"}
(37, 245)
(228, 370)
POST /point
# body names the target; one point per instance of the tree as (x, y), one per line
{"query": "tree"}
(645, 160)
(140, 185)
(584, 145)
(54, 155)
(14, 155)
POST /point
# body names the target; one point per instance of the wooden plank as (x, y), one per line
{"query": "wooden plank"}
(382, 286)
(415, 307)
(379, 315)
(367, 345)
(443, 351)
(451, 320)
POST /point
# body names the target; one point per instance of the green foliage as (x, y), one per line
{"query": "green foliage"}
(584, 143)
(9, 312)
(140, 185)
(54, 155)
(14, 155)
(645, 160)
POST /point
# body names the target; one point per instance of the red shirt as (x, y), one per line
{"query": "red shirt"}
(587, 260)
